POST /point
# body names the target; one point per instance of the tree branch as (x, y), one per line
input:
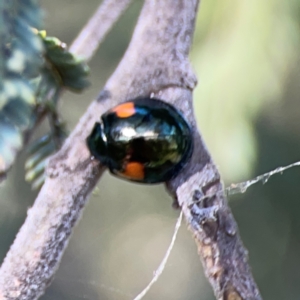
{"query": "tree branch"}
(87, 42)
(90, 37)
(156, 62)
(206, 210)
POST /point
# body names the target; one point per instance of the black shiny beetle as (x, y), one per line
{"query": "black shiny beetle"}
(144, 140)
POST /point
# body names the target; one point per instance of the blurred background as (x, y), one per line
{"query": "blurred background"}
(246, 56)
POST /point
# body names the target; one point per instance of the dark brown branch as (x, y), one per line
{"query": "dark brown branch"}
(156, 62)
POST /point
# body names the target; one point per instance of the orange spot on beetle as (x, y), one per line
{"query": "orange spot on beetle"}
(125, 110)
(134, 170)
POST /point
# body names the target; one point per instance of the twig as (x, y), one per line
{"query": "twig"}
(156, 62)
(162, 265)
(90, 37)
(242, 187)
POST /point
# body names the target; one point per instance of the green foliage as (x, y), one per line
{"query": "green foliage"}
(31, 84)
(70, 71)
(61, 70)
(38, 154)
(20, 61)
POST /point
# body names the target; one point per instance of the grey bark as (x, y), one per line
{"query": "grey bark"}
(155, 63)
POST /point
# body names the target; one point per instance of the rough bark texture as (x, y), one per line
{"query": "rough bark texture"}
(156, 63)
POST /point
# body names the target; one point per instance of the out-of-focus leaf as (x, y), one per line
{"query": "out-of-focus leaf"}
(20, 60)
(62, 69)
(71, 71)
(39, 152)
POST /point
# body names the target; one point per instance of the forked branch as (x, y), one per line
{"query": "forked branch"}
(155, 63)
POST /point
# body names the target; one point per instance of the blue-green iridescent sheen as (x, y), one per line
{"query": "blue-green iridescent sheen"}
(156, 136)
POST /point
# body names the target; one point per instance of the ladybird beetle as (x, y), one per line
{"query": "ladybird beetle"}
(144, 140)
